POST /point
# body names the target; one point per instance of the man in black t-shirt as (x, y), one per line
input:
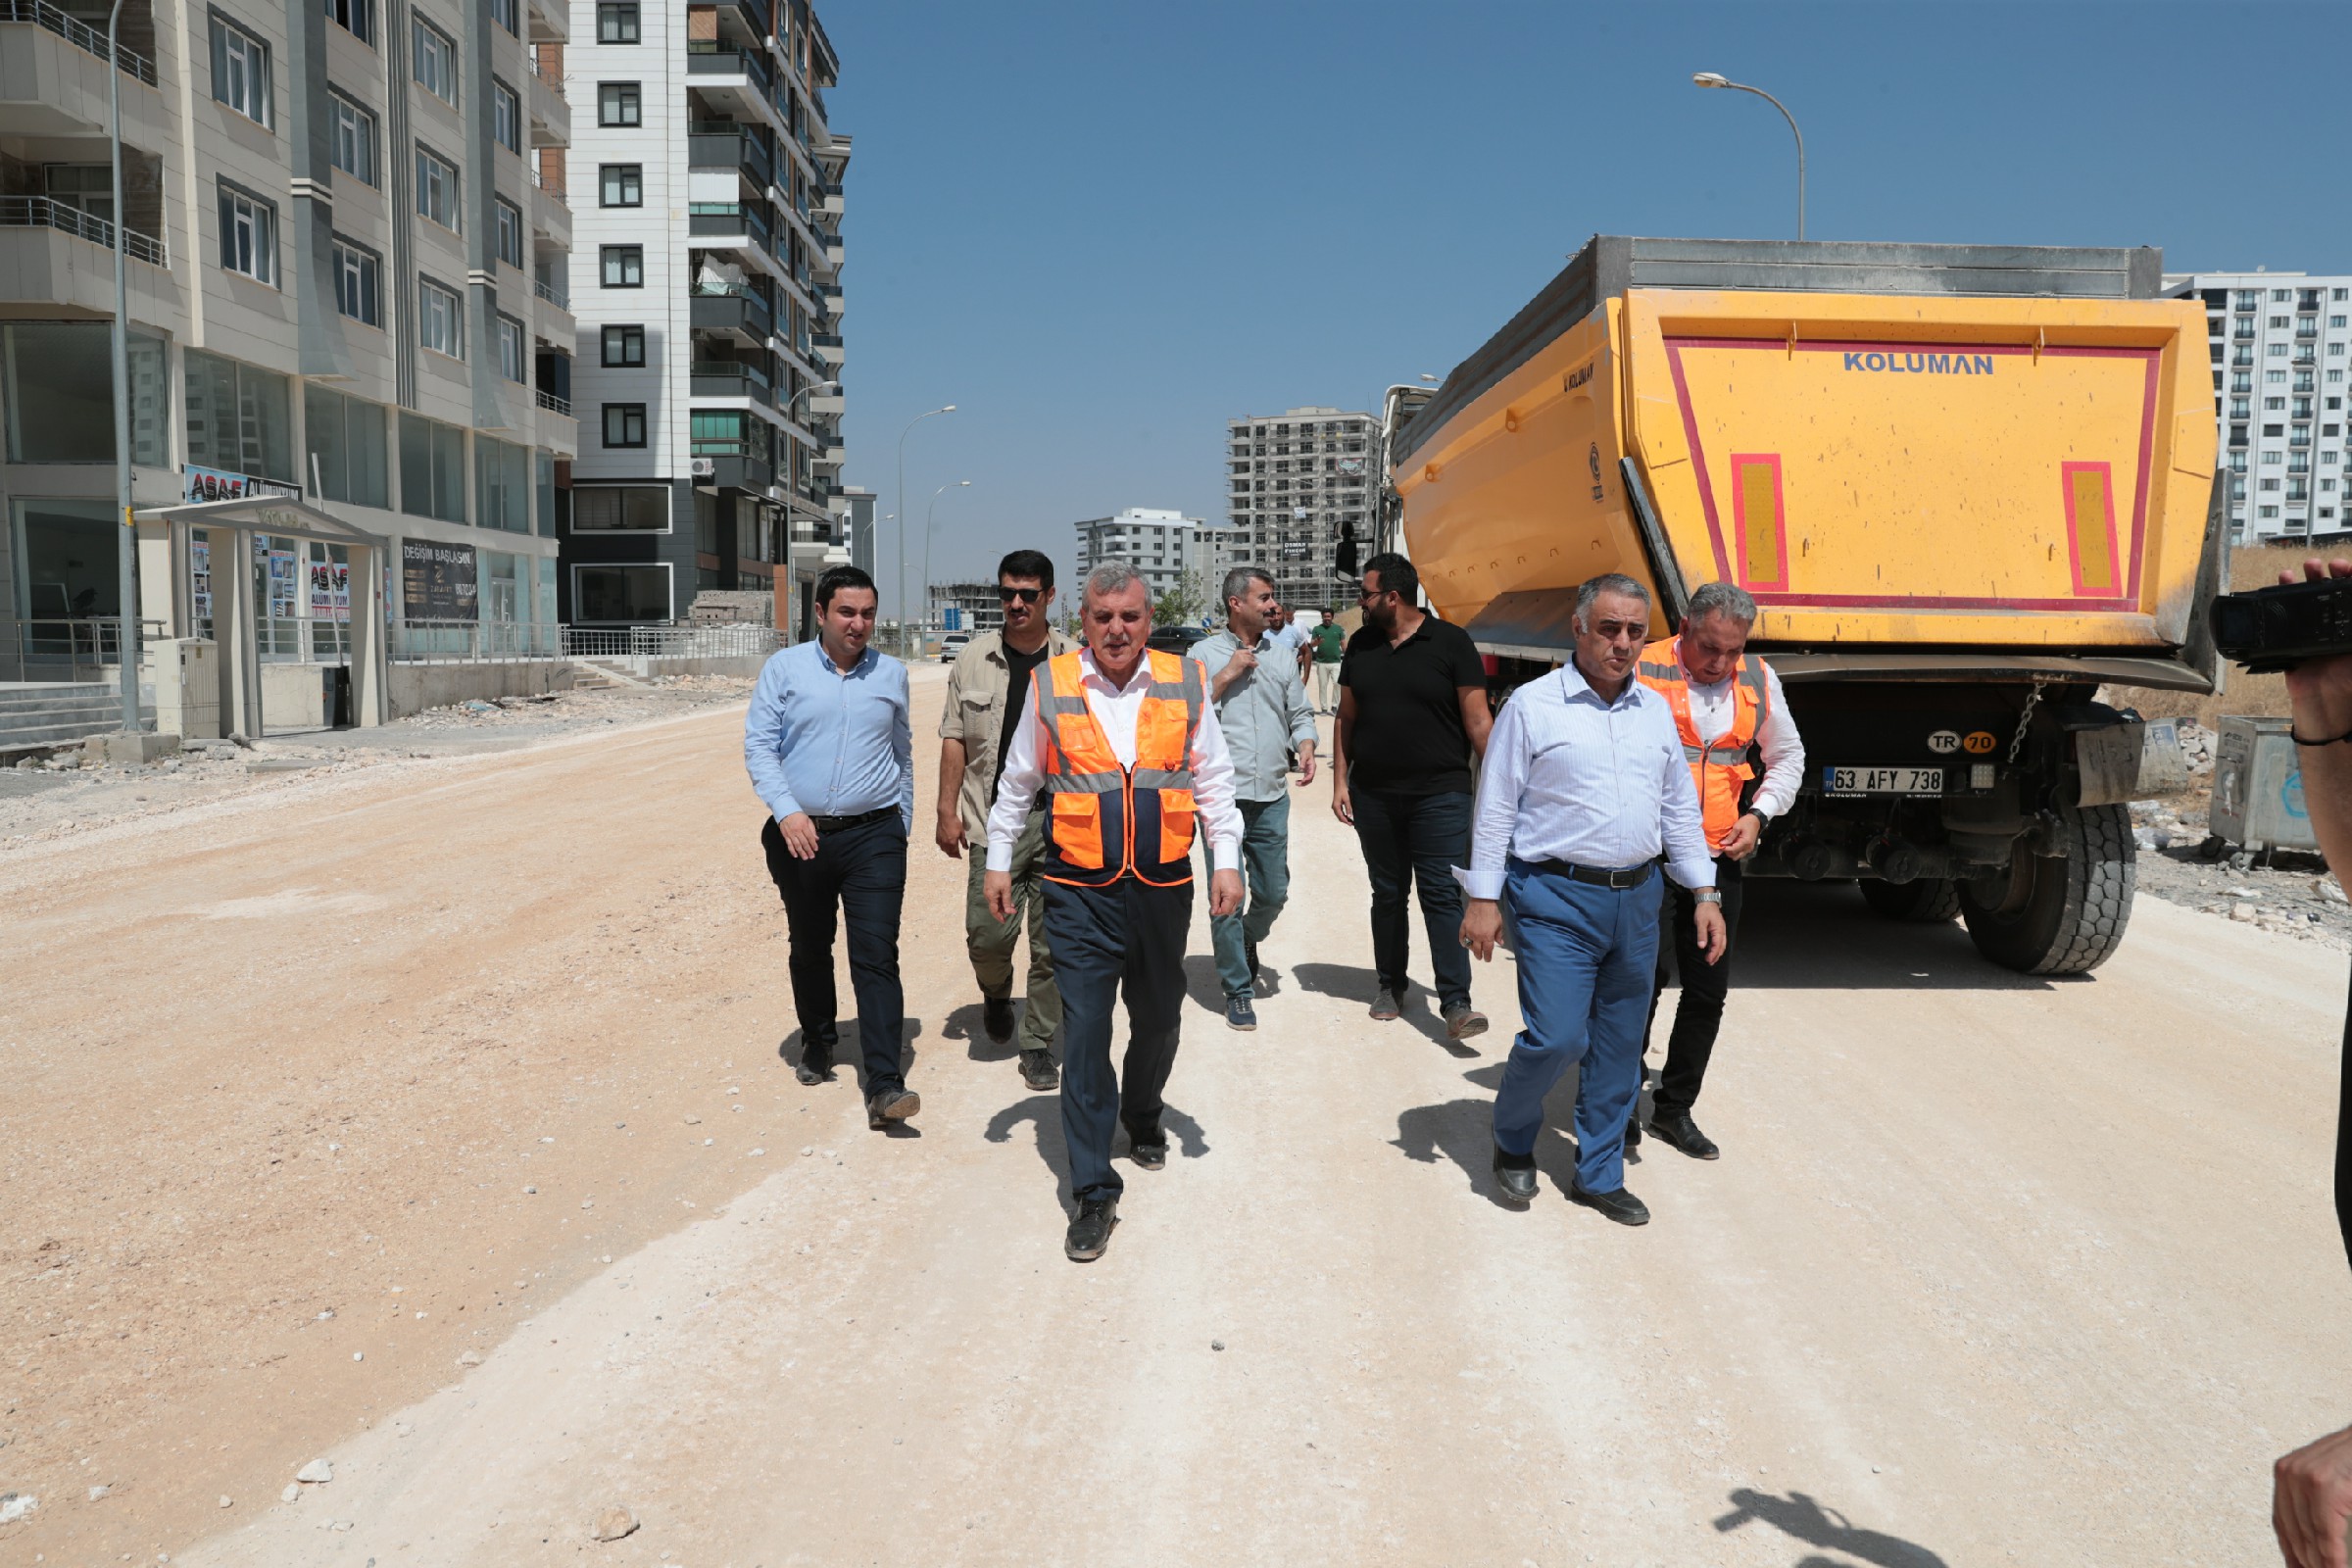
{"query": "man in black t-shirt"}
(1413, 713)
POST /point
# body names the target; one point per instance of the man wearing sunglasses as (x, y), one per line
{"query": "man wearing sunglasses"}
(985, 691)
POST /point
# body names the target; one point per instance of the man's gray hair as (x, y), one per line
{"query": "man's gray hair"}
(1721, 599)
(1608, 582)
(1111, 577)
(1239, 579)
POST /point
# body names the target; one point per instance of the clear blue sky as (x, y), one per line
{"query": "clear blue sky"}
(1101, 229)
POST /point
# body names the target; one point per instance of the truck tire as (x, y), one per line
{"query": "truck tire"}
(2059, 917)
(1929, 900)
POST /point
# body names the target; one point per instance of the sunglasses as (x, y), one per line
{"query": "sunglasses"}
(1027, 596)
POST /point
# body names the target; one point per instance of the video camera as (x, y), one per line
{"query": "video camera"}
(2278, 628)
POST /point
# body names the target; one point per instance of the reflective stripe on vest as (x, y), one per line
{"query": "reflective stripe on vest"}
(1107, 820)
(1719, 768)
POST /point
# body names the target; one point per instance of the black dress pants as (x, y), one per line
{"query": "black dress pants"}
(1123, 942)
(860, 872)
(1698, 1014)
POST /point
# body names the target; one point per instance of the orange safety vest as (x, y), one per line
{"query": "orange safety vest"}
(1105, 820)
(1719, 767)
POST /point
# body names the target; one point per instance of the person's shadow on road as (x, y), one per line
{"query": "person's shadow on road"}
(1044, 1112)
(969, 1024)
(1798, 1515)
(1352, 983)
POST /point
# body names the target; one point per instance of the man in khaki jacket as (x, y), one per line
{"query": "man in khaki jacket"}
(986, 693)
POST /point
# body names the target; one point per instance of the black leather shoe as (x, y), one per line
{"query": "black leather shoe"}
(891, 1105)
(1151, 1153)
(996, 1015)
(817, 1067)
(1038, 1070)
(1620, 1205)
(1090, 1232)
(1515, 1174)
(1632, 1132)
(1677, 1131)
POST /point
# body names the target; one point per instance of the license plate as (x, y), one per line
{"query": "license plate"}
(1882, 780)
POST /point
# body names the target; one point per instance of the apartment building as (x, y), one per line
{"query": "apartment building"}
(1163, 547)
(346, 235)
(2279, 346)
(970, 606)
(1302, 483)
(706, 275)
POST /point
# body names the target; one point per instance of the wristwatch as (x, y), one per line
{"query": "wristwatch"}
(1762, 816)
(1707, 895)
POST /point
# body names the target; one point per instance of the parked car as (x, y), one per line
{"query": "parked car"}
(953, 643)
(1174, 639)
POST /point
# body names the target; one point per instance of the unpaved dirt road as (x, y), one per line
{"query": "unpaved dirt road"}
(481, 1056)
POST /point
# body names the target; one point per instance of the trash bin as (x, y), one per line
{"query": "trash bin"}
(2258, 787)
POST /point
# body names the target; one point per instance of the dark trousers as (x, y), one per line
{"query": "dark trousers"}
(861, 871)
(1699, 1013)
(1132, 935)
(1412, 843)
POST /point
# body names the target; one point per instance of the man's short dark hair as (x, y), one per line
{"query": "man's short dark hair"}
(836, 578)
(1397, 575)
(1027, 564)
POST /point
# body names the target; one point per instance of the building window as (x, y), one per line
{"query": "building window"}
(617, 102)
(440, 320)
(624, 185)
(502, 486)
(240, 71)
(437, 188)
(509, 232)
(346, 438)
(609, 595)
(240, 420)
(620, 508)
(505, 116)
(2275, 350)
(617, 21)
(624, 347)
(432, 469)
(436, 62)
(61, 394)
(359, 282)
(512, 362)
(624, 425)
(508, 13)
(624, 266)
(354, 134)
(248, 234)
(354, 17)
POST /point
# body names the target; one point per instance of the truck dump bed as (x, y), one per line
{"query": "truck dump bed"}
(1914, 455)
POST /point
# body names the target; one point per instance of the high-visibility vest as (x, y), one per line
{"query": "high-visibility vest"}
(1105, 821)
(1719, 767)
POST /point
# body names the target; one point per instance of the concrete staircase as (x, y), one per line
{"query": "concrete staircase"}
(59, 714)
(602, 675)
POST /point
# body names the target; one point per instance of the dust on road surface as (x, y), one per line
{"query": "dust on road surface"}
(481, 1058)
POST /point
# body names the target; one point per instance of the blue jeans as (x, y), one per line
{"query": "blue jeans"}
(1587, 958)
(1266, 867)
(1412, 843)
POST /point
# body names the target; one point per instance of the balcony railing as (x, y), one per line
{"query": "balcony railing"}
(550, 180)
(557, 294)
(711, 60)
(39, 212)
(547, 64)
(735, 641)
(731, 379)
(81, 34)
(555, 405)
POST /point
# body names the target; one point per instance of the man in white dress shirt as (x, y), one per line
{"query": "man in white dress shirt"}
(1585, 783)
(1725, 705)
(1125, 744)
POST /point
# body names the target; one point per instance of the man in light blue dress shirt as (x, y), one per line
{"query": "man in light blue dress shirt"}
(1584, 785)
(829, 742)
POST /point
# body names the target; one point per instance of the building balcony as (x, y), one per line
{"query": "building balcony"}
(747, 18)
(740, 314)
(829, 201)
(54, 80)
(724, 144)
(732, 378)
(549, 111)
(716, 61)
(827, 404)
(550, 214)
(731, 465)
(549, 20)
(827, 350)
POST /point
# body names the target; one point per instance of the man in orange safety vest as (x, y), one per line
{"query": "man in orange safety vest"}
(1729, 708)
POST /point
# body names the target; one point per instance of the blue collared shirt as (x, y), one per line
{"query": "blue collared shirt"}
(1265, 714)
(1570, 777)
(830, 744)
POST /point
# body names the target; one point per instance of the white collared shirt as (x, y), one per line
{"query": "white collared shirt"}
(1116, 708)
(1569, 777)
(1711, 710)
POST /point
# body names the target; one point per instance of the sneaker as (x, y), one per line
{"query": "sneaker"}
(1239, 1013)
(1090, 1232)
(1387, 1005)
(1462, 1020)
(1038, 1070)
(997, 1017)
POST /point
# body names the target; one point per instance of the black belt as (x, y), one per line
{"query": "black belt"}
(836, 824)
(1632, 876)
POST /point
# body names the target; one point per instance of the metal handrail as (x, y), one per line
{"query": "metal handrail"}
(40, 211)
(461, 642)
(555, 404)
(81, 34)
(734, 640)
(557, 294)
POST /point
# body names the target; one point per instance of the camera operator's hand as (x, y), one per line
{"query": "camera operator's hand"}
(2321, 689)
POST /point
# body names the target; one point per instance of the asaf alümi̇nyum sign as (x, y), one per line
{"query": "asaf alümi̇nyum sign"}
(1919, 364)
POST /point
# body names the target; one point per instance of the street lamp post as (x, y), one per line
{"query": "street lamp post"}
(127, 553)
(901, 573)
(928, 513)
(1711, 78)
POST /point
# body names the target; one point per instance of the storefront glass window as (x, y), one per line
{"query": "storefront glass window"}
(346, 436)
(432, 469)
(240, 420)
(502, 484)
(60, 395)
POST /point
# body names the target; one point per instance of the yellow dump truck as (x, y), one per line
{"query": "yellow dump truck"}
(1966, 485)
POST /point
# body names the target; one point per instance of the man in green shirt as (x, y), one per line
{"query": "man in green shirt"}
(1330, 644)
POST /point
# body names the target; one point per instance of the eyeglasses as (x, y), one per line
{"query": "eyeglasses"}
(1364, 596)
(1027, 596)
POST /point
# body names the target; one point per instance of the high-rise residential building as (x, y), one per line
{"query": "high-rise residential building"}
(1299, 483)
(347, 234)
(2278, 342)
(854, 510)
(1163, 547)
(707, 276)
(975, 604)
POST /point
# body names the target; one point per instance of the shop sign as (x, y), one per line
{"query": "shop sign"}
(212, 484)
(438, 582)
(330, 590)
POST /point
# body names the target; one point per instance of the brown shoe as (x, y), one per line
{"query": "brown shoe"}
(1388, 1006)
(1462, 1020)
(891, 1105)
